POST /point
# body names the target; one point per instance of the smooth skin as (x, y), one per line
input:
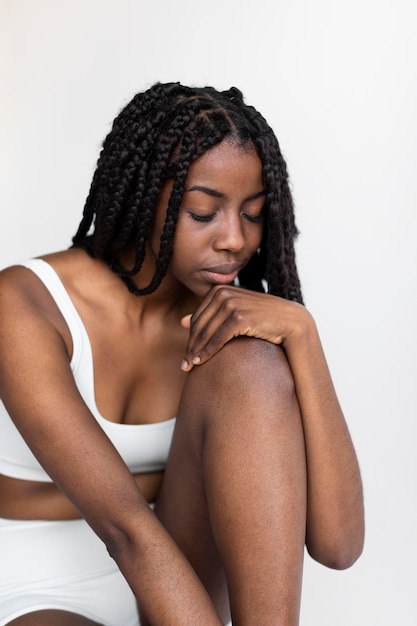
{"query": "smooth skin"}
(261, 459)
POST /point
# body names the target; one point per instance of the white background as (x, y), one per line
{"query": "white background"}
(338, 83)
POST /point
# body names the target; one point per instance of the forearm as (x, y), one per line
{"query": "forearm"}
(335, 518)
(24, 499)
(166, 587)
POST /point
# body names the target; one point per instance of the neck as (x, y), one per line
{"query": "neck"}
(170, 295)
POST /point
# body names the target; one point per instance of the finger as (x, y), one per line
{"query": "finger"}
(230, 320)
(206, 322)
(205, 304)
(186, 321)
(203, 330)
(230, 328)
(193, 322)
(195, 350)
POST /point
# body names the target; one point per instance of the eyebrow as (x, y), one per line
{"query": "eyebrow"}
(218, 194)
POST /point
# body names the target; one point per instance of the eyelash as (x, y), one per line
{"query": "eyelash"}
(201, 218)
(257, 219)
(208, 218)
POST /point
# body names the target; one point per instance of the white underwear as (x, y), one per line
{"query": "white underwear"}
(61, 565)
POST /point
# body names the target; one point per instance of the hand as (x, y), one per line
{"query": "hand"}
(228, 312)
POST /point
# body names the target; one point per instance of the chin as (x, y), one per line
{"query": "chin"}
(199, 289)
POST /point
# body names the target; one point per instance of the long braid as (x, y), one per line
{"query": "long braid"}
(280, 271)
(156, 137)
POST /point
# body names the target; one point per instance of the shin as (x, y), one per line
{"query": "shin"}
(234, 494)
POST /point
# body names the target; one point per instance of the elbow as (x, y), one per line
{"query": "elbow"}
(338, 543)
(124, 537)
(339, 554)
(336, 559)
(116, 542)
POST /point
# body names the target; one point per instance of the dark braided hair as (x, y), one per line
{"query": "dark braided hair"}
(155, 138)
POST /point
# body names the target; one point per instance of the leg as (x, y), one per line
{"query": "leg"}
(52, 617)
(234, 491)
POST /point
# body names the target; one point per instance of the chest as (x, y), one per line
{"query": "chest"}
(137, 374)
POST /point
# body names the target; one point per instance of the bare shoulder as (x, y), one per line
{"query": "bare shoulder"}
(29, 318)
(24, 297)
(19, 291)
(20, 284)
(26, 301)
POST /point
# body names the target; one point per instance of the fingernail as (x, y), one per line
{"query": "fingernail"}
(184, 365)
(196, 360)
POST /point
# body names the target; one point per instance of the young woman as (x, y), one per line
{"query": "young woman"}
(153, 335)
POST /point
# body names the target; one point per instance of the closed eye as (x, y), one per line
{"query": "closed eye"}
(258, 219)
(201, 218)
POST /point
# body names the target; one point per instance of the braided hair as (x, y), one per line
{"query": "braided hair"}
(156, 137)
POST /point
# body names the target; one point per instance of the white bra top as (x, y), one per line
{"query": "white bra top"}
(144, 447)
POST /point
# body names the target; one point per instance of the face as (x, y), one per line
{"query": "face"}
(220, 222)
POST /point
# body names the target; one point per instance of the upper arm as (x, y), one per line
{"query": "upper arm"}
(39, 391)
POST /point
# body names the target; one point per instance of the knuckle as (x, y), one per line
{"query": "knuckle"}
(202, 334)
(230, 305)
(216, 340)
(223, 292)
(237, 316)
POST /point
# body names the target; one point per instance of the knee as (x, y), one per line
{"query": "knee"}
(245, 372)
(250, 362)
(245, 357)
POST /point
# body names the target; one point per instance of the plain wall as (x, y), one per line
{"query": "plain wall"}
(338, 83)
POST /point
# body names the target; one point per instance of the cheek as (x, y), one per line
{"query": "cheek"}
(187, 239)
(183, 250)
(256, 238)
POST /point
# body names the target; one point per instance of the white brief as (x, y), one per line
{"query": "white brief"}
(61, 565)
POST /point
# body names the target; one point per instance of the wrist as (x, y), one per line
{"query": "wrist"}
(302, 331)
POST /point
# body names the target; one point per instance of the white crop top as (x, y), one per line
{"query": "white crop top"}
(144, 447)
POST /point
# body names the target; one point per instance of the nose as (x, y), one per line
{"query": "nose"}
(230, 234)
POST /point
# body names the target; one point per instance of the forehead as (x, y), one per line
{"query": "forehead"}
(231, 171)
(227, 166)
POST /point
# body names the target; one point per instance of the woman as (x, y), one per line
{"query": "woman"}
(153, 334)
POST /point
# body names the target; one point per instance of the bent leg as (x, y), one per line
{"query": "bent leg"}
(234, 491)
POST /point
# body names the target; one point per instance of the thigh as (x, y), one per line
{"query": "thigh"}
(51, 617)
(182, 508)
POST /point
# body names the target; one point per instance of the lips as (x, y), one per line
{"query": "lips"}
(222, 274)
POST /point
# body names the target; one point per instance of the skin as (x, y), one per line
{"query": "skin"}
(251, 476)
